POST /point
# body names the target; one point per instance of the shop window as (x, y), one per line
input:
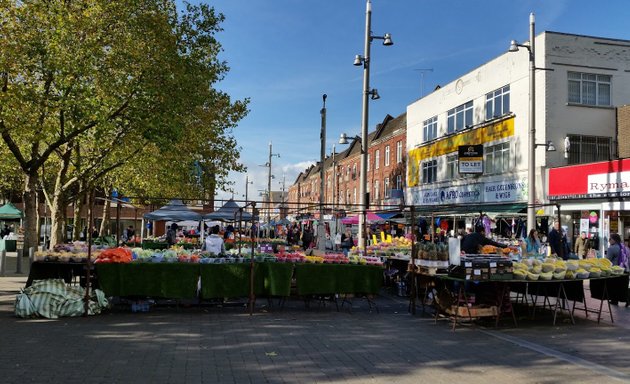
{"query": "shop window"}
(589, 88)
(429, 171)
(460, 117)
(497, 158)
(451, 167)
(588, 149)
(429, 129)
(498, 102)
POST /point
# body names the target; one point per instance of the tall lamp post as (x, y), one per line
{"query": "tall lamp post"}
(531, 169)
(247, 183)
(367, 93)
(271, 154)
(321, 227)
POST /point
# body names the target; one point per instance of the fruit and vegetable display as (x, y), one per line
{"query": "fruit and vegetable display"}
(557, 269)
(73, 252)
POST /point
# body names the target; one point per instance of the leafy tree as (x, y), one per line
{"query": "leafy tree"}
(86, 85)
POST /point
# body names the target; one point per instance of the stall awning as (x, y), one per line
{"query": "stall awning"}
(450, 210)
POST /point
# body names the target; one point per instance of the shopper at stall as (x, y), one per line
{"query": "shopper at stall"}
(214, 243)
(171, 235)
(555, 241)
(618, 254)
(581, 246)
(532, 243)
(307, 238)
(472, 242)
(346, 241)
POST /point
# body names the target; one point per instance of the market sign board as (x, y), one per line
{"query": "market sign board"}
(459, 194)
(470, 158)
(505, 191)
(594, 180)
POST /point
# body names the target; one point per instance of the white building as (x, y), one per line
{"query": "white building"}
(580, 82)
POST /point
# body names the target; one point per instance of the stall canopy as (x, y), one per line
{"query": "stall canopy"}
(370, 216)
(9, 211)
(176, 210)
(228, 212)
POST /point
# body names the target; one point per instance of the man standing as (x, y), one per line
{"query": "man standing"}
(581, 246)
(214, 242)
(555, 241)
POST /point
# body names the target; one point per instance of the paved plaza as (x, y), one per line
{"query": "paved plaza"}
(295, 344)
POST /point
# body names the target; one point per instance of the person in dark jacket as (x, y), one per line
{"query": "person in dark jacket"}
(555, 241)
(307, 238)
(473, 241)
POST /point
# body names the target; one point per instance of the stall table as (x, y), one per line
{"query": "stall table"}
(68, 271)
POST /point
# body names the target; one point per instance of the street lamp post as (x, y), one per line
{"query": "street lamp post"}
(367, 93)
(269, 183)
(321, 227)
(531, 171)
(247, 183)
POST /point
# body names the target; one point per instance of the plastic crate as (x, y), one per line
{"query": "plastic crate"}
(140, 306)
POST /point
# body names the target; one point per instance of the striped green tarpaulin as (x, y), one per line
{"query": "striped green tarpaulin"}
(52, 299)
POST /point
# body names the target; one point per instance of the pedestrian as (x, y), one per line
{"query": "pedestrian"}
(347, 242)
(171, 235)
(532, 243)
(307, 238)
(214, 243)
(555, 241)
(618, 254)
(581, 246)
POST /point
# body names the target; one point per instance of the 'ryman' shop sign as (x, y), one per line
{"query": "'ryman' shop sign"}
(594, 180)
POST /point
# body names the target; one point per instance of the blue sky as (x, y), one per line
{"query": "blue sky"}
(285, 54)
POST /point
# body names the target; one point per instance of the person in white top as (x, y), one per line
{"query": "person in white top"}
(214, 242)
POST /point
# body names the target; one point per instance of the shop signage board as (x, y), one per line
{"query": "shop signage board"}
(459, 194)
(594, 180)
(470, 159)
(505, 191)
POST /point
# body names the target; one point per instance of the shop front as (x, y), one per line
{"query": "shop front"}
(594, 198)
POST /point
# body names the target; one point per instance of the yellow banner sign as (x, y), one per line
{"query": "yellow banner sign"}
(482, 135)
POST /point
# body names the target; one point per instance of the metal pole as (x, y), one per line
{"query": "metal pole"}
(334, 179)
(321, 230)
(269, 189)
(364, 124)
(531, 172)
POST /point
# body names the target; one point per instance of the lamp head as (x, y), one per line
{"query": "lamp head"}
(374, 94)
(387, 40)
(550, 146)
(358, 60)
(513, 46)
(343, 139)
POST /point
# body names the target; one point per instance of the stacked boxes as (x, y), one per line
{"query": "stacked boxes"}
(485, 267)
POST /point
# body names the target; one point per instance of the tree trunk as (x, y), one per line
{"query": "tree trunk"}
(78, 205)
(105, 215)
(56, 216)
(29, 198)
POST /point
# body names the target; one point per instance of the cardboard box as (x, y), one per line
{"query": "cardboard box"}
(474, 311)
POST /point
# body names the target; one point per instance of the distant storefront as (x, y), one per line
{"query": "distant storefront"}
(593, 198)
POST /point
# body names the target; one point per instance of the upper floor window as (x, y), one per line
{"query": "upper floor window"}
(376, 190)
(399, 152)
(377, 158)
(368, 162)
(347, 172)
(587, 149)
(451, 167)
(386, 189)
(589, 88)
(354, 171)
(460, 117)
(354, 196)
(398, 181)
(429, 129)
(498, 102)
(429, 171)
(387, 155)
(497, 158)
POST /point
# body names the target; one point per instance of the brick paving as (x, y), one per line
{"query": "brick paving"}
(295, 344)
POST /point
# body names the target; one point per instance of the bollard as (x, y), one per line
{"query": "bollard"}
(18, 264)
(31, 255)
(3, 262)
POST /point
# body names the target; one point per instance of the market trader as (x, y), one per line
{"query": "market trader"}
(214, 243)
(472, 241)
